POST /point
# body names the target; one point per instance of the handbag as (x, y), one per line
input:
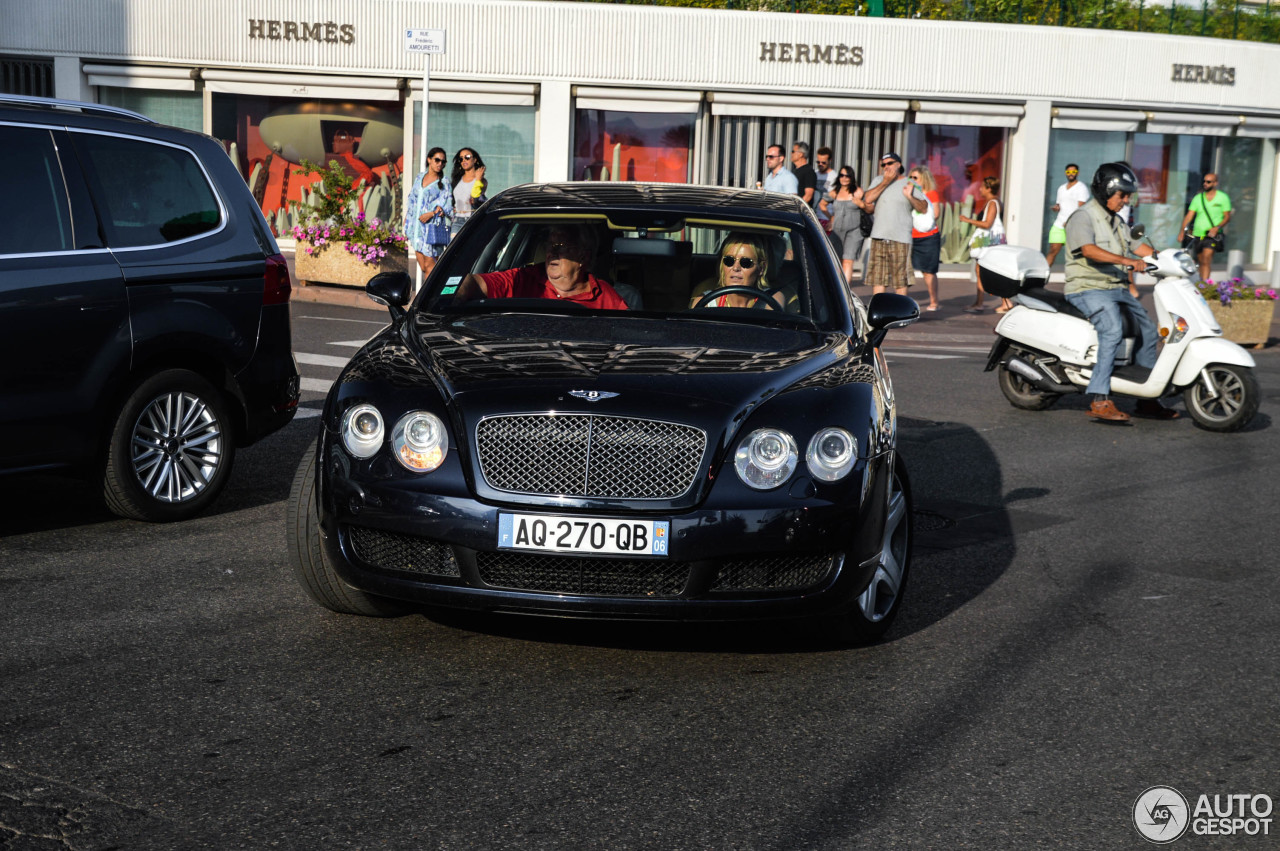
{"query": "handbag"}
(984, 238)
(1217, 243)
(865, 223)
(923, 222)
(437, 230)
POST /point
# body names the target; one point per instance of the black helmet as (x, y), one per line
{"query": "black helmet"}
(1111, 178)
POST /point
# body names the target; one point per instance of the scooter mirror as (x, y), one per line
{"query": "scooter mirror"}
(1138, 231)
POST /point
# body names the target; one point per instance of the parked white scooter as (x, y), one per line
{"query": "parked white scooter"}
(1047, 348)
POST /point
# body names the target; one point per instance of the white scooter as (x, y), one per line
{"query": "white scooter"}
(1046, 348)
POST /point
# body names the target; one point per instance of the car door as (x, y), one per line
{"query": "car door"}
(64, 319)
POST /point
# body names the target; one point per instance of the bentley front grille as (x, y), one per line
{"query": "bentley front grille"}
(587, 576)
(587, 455)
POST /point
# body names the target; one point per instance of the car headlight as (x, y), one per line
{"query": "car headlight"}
(831, 454)
(420, 441)
(766, 458)
(362, 431)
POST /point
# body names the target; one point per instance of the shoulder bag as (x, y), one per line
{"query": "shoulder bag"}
(1217, 243)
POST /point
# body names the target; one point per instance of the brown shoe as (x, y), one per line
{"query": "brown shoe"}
(1153, 410)
(1105, 409)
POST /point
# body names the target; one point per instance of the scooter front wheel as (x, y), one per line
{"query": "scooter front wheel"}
(1224, 398)
(1021, 393)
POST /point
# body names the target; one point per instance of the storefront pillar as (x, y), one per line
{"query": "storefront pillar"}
(1024, 193)
(68, 82)
(555, 131)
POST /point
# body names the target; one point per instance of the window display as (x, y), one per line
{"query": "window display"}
(504, 136)
(960, 158)
(648, 146)
(269, 137)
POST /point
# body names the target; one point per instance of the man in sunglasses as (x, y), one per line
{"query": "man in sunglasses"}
(566, 274)
(777, 178)
(1211, 210)
(1071, 196)
(893, 198)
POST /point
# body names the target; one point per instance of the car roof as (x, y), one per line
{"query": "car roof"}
(596, 195)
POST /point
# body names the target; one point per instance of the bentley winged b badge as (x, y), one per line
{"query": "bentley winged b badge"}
(592, 395)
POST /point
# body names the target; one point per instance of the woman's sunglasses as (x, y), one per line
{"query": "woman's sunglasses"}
(437, 159)
(466, 157)
(744, 262)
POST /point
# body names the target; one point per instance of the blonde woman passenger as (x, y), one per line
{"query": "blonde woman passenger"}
(743, 262)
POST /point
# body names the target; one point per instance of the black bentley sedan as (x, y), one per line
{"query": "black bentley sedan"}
(617, 400)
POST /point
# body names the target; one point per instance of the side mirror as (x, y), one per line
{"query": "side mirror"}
(390, 288)
(1138, 231)
(890, 310)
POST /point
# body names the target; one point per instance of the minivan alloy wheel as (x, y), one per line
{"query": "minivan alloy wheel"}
(176, 447)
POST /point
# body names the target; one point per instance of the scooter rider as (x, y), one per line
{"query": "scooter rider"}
(1097, 273)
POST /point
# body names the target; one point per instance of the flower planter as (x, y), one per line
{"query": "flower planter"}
(1247, 322)
(333, 264)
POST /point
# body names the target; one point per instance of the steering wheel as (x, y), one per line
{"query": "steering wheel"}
(750, 292)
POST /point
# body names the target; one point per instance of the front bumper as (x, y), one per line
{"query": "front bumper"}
(801, 557)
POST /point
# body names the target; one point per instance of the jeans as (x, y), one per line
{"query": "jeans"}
(1103, 308)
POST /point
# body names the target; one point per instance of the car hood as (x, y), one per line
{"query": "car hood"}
(636, 367)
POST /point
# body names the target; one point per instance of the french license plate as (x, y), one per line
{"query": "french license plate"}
(583, 535)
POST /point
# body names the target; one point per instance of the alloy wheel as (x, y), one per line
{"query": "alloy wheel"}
(177, 447)
(879, 598)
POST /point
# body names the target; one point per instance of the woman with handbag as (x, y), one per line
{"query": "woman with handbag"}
(426, 216)
(926, 236)
(990, 231)
(1211, 210)
(843, 205)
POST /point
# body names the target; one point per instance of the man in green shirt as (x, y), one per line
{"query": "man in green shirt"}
(1211, 210)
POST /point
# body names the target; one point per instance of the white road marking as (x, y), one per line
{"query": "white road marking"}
(320, 360)
(319, 385)
(355, 344)
(896, 354)
(306, 413)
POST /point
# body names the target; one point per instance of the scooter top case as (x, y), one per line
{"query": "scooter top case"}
(1010, 270)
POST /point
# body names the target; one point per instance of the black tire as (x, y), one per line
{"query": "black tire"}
(1231, 405)
(1022, 393)
(171, 449)
(306, 557)
(869, 617)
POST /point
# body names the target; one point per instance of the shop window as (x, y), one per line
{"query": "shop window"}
(179, 109)
(1247, 175)
(960, 158)
(645, 146)
(1088, 149)
(268, 137)
(502, 135)
(1169, 170)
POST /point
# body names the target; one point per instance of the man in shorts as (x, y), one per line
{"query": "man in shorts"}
(1072, 195)
(892, 197)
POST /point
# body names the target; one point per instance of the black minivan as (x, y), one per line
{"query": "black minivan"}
(144, 307)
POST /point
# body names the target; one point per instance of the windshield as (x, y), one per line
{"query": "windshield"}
(647, 263)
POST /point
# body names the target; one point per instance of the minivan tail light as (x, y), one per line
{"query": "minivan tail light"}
(276, 285)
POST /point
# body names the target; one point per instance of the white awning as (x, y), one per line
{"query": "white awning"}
(787, 106)
(637, 100)
(967, 114)
(1192, 124)
(1259, 128)
(141, 77)
(310, 86)
(467, 91)
(1101, 120)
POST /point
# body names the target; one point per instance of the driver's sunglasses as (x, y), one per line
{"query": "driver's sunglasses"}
(563, 248)
(744, 262)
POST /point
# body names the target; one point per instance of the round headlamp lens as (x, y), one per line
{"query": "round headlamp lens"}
(420, 441)
(766, 458)
(831, 454)
(362, 431)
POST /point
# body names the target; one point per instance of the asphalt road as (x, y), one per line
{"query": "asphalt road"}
(1092, 612)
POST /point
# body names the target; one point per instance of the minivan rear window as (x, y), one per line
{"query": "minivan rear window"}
(152, 194)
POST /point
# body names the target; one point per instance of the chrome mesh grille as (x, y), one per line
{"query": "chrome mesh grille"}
(588, 576)
(773, 573)
(589, 455)
(393, 551)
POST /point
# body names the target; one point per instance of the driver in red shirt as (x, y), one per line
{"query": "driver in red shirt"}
(566, 274)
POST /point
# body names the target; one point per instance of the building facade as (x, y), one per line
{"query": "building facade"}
(575, 91)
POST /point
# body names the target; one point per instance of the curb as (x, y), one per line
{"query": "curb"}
(336, 295)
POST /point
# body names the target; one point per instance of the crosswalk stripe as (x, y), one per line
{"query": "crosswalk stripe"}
(895, 354)
(320, 360)
(355, 344)
(319, 385)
